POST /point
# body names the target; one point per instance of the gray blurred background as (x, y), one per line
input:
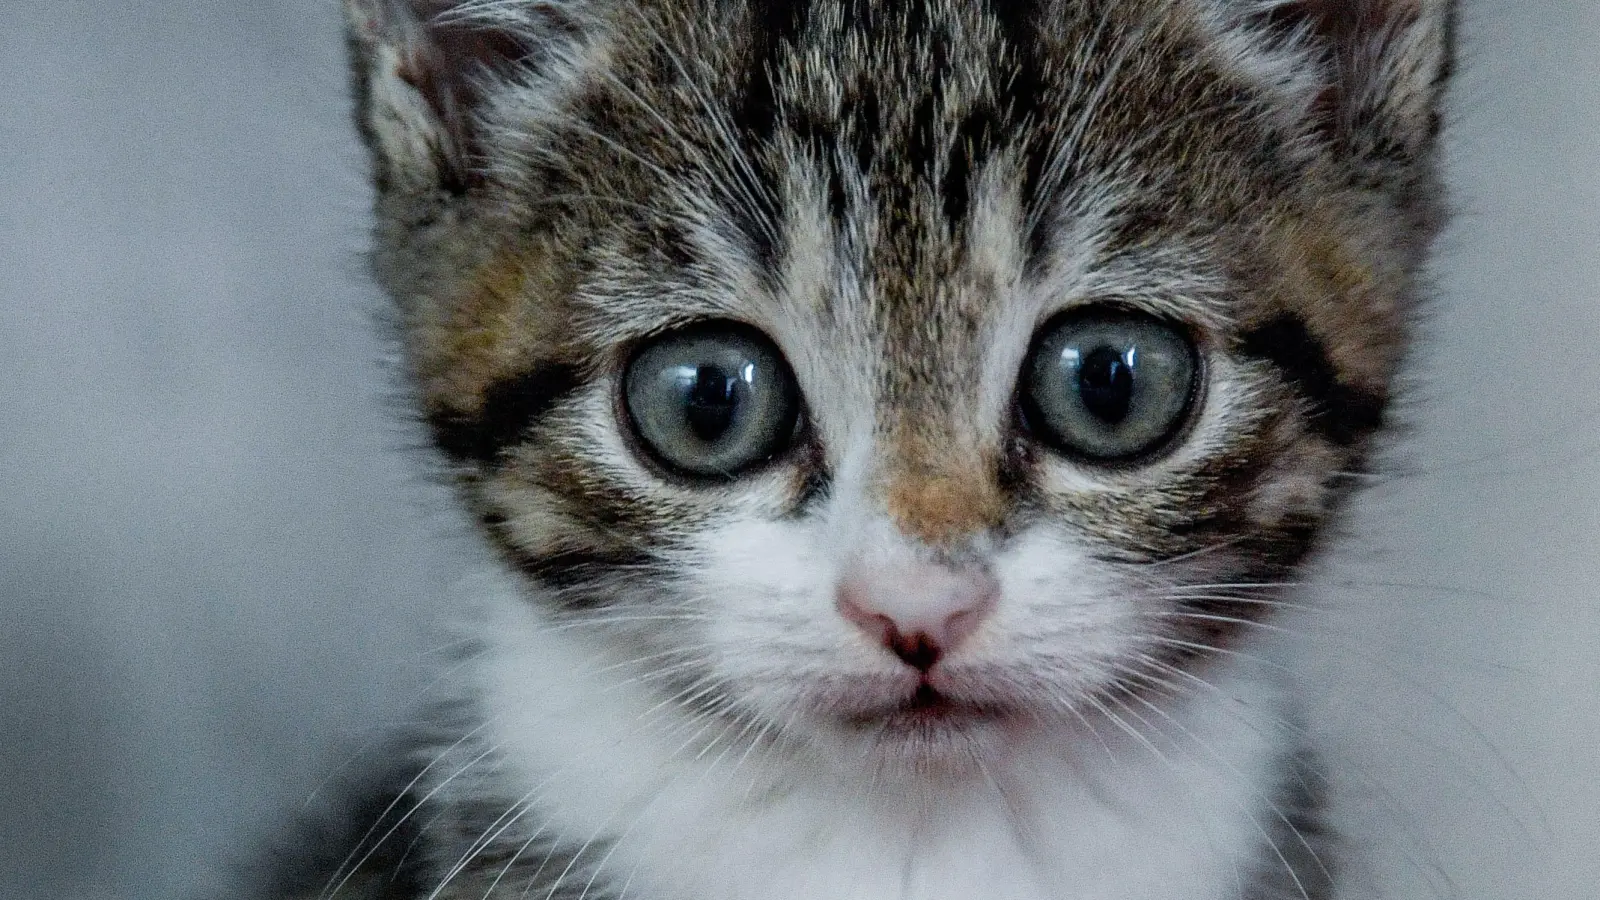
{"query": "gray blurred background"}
(220, 559)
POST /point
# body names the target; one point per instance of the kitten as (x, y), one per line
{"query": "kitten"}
(897, 421)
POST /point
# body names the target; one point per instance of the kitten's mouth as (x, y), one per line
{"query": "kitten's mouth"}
(928, 708)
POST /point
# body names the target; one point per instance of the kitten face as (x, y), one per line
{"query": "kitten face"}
(901, 378)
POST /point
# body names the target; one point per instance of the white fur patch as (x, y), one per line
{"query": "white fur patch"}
(1175, 806)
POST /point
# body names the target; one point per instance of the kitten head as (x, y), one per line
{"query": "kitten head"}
(904, 373)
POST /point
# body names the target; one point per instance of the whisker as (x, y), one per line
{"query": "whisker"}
(349, 870)
(1418, 850)
(491, 833)
(1240, 778)
(1167, 761)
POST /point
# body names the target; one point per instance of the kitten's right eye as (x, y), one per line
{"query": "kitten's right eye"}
(712, 400)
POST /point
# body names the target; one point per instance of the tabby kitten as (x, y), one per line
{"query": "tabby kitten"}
(896, 419)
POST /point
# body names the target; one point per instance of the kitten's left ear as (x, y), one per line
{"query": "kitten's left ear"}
(1383, 65)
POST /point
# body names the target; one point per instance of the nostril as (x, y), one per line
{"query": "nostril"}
(920, 621)
(919, 650)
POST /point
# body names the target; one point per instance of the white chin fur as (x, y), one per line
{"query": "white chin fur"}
(1183, 810)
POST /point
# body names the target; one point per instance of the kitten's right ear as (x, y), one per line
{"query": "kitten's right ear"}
(423, 70)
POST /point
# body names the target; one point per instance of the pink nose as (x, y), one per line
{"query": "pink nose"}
(920, 614)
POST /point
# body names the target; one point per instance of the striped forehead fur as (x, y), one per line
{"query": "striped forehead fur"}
(675, 175)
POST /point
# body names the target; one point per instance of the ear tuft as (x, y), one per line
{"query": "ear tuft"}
(422, 70)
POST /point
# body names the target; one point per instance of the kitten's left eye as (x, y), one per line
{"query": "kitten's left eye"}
(712, 400)
(1109, 386)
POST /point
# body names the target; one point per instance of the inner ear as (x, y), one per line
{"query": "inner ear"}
(424, 70)
(452, 65)
(1336, 21)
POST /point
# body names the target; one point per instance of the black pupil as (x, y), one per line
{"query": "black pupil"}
(1105, 382)
(713, 399)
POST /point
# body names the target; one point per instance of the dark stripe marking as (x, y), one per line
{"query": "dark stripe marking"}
(1340, 413)
(972, 142)
(1022, 100)
(822, 140)
(816, 481)
(576, 568)
(1018, 19)
(509, 407)
(774, 25)
(579, 578)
